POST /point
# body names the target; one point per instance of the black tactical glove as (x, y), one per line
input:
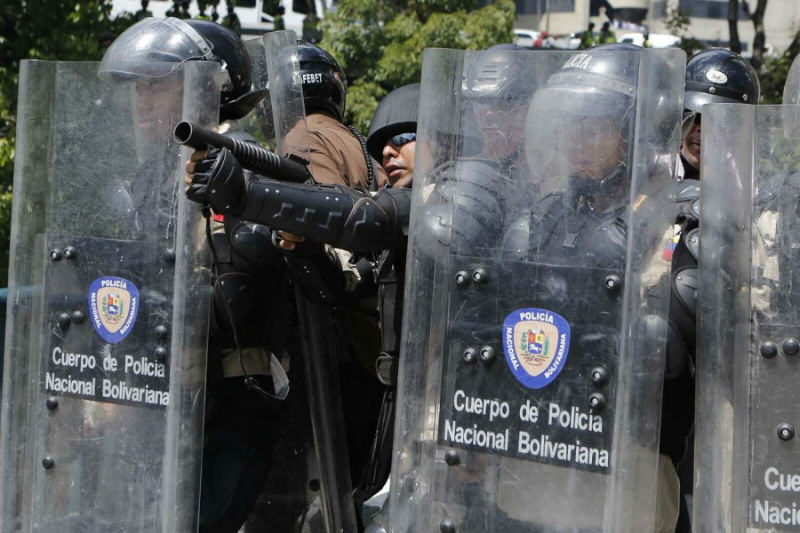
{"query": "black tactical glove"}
(219, 182)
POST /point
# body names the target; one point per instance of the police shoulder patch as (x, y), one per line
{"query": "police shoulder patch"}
(536, 344)
(113, 306)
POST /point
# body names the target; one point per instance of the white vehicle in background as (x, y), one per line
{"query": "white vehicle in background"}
(250, 12)
(570, 41)
(525, 38)
(657, 40)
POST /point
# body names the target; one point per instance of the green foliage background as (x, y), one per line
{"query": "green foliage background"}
(379, 44)
(67, 30)
(40, 29)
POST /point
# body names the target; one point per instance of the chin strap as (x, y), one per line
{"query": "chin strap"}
(371, 175)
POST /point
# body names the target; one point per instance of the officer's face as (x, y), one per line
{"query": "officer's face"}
(501, 128)
(157, 107)
(691, 144)
(594, 146)
(398, 159)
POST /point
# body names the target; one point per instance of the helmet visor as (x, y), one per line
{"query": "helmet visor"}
(153, 48)
(576, 133)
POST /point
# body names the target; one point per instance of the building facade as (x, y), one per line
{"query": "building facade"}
(708, 18)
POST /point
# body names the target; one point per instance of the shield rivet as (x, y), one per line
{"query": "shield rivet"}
(451, 458)
(52, 403)
(55, 254)
(70, 252)
(313, 484)
(160, 353)
(77, 316)
(446, 526)
(597, 401)
(785, 432)
(169, 255)
(791, 346)
(48, 463)
(768, 350)
(63, 320)
(613, 282)
(469, 355)
(161, 331)
(462, 278)
(480, 276)
(599, 375)
(487, 354)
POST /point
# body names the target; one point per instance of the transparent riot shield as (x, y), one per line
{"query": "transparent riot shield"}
(109, 298)
(534, 329)
(317, 492)
(746, 447)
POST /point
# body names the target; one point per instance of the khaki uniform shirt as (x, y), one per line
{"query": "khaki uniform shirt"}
(334, 153)
(336, 157)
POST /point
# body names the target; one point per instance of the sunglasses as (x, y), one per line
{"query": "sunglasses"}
(403, 138)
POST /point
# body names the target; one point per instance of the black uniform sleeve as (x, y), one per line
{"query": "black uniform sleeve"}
(331, 214)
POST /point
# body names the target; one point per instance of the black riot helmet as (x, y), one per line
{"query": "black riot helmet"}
(147, 49)
(718, 75)
(324, 82)
(396, 113)
(499, 73)
(497, 86)
(598, 81)
(580, 125)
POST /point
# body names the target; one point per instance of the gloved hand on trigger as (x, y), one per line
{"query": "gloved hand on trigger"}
(216, 178)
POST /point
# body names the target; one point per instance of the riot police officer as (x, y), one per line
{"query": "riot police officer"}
(336, 155)
(712, 76)
(489, 298)
(392, 134)
(746, 416)
(716, 75)
(250, 323)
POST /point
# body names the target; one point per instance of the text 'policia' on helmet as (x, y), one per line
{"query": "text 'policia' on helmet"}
(324, 82)
(719, 76)
(151, 48)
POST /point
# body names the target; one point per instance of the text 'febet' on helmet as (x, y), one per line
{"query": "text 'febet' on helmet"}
(719, 76)
(323, 80)
(153, 47)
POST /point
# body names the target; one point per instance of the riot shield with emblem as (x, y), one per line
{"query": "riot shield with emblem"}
(314, 487)
(109, 299)
(746, 445)
(534, 330)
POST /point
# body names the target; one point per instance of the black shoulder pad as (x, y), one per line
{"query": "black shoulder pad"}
(685, 285)
(687, 195)
(687, 191)
(693, 243)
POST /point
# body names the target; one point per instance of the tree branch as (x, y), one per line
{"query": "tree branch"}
(759, 41)
(733, 26)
